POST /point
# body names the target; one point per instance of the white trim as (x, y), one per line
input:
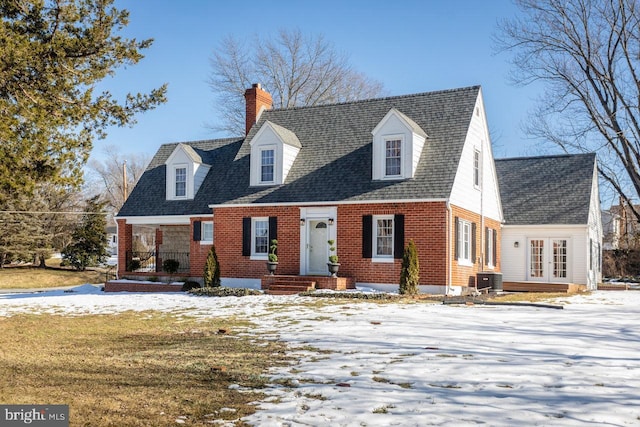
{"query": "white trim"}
(327, 203)
(311, 214)
(462, 258)
(545, 226)
(202, 239)
(159, 220)
(374, 235)
(383, 167)
(255, 255)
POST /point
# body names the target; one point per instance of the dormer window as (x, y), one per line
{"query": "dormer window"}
(273, 151)
(397, 146)
(393, 157)
(181, 181)
(186, 171)
(268, 161)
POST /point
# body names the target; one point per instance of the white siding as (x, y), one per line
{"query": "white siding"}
(201, 172)
(514, 260)
(486, 198)
(289, 154)
(595, 231)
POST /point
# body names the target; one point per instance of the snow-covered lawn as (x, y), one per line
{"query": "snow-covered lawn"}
(422, 364)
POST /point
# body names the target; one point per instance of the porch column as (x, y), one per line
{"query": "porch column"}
(125, 244)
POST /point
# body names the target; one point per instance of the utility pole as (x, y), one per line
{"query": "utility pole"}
(125, 189)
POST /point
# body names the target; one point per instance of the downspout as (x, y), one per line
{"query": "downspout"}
(448, 243)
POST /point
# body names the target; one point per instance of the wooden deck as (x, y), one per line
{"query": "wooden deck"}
(569, 288)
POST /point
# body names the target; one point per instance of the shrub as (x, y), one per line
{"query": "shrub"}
(333, 258)
(190, 284)
(224, 292)
(410, 274)
(134, 265)
(211, 275)
(273, 257)
(171, 266)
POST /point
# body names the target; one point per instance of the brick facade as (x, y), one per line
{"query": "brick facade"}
(426, 223)
(125, 244)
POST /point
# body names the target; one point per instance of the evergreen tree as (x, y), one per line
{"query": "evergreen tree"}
(89, 240)
(53, 53)
(410, 274)
(211, 274)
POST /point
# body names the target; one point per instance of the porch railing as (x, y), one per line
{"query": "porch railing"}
(151, 261)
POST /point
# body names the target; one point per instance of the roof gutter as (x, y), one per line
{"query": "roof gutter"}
(326, 203)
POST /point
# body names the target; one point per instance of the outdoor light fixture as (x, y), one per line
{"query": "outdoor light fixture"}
(330, 221)
(302, 221)
(516, 244)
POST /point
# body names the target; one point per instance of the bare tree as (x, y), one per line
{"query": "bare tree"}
(297, 70)
(588, 54)
(109, 175)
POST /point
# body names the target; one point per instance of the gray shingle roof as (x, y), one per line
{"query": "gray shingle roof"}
(546, 189)
(334, 163)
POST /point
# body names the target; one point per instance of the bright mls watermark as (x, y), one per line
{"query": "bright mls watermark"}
(34, 415)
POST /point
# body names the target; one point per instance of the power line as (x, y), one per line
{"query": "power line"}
(56, 213)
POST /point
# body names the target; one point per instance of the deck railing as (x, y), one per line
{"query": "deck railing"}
(151, 261)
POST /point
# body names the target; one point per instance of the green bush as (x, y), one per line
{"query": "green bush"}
(170, 266)
(224, 292)
(190, 284)
(211, 275)
(410, 273)
(134, 265)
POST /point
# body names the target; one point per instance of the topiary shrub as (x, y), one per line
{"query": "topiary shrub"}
(211, 275)
(190, 284)
(410, 273)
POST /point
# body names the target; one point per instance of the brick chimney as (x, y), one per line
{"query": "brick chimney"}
(256, 100)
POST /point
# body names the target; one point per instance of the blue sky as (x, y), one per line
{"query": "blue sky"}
(410, 46)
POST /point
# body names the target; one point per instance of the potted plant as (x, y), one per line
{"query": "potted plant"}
(273, 258)
(333, 259)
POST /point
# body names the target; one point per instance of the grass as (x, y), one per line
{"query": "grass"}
(134, 369)
(40, 278)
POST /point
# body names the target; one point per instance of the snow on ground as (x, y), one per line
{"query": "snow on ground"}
(421, 364)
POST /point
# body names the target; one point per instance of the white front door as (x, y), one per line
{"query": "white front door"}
(317, 247)
(548, 260)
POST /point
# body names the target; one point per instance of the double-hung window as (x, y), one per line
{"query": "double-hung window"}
(181, 182)
(464, 242)
(267, 165)
(476, 168)
(490, 249)
(393, 157)
(383, 240)
(260, 237)
(207, 232)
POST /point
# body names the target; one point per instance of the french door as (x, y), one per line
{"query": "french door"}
(548, 260)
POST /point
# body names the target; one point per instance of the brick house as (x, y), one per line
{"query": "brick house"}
(370, 175)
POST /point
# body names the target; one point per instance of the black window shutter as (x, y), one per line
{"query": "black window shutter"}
(367, 239)
(197, 231)
(486, 246)
(495, 247)
(398, 231)
(246, 236)
(473, 242)
(456, 237)
(273, 230)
